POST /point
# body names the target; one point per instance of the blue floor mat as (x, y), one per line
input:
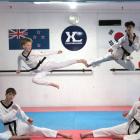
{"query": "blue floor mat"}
(75, 120)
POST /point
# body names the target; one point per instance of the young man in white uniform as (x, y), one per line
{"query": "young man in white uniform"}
(128, 131)
(18, 126)
(121, 51)
(42, 66)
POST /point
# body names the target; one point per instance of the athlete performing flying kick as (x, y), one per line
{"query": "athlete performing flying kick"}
(42, 66)
(121, 51)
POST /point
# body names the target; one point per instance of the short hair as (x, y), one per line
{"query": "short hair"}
(25, 40)
(11, 90)
(128, 23)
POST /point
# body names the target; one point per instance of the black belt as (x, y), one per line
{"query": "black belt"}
(125, 53)
(13, 132)
(38, 65)
(137, 123)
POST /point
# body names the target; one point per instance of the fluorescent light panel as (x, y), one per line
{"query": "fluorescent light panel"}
(72, 5)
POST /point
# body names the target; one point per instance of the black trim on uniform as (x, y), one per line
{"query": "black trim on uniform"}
(38, 65)
(5, 105)
(137, 123)
(12, 130)
(26, 56)
(131, 42)
(126, 53)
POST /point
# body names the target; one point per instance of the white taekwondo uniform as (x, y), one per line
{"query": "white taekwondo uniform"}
(42, 67)
(129, 130)
(121, 50)
(15, 123)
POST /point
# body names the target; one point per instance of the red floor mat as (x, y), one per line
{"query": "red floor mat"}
(76, 136)
(83, 108)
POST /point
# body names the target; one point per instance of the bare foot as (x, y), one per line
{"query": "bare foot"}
(82, 136)
(17, 71)
(83, 61)
(54, 85)
(89, 65)
(68, 136)
(86, 135)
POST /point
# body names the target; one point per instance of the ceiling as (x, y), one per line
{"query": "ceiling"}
(63, 5)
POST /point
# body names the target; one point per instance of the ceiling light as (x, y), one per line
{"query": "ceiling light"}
(73, 5)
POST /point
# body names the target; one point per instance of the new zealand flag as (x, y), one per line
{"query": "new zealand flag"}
(40, 38)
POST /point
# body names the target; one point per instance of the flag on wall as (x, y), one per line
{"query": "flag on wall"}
(115, 36)
(40, 38)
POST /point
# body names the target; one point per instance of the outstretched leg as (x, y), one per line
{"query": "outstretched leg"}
(58, 65)
(47, 132)
(40, 78)
(116, 132)
(101, 60)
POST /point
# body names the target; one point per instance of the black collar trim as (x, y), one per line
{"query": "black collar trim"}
(26, 56)
(131, 42)
(5, 105)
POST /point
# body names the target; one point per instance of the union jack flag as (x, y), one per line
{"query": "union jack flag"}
(40, 38)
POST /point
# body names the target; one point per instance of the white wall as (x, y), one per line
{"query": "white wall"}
(101, 88)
